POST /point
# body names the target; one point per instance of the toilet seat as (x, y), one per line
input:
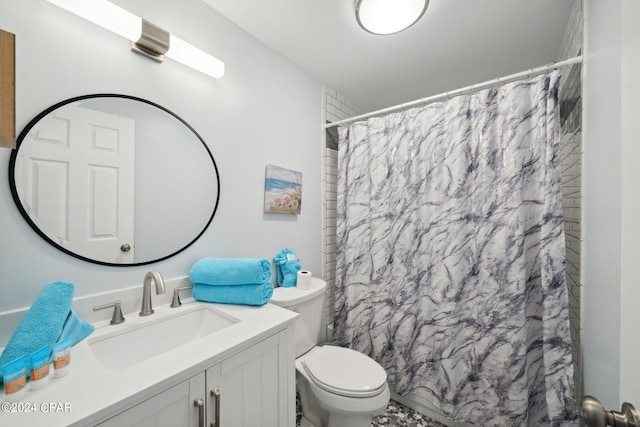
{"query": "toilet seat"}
(345, 372)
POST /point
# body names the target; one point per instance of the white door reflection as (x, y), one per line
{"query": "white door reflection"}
(78, 181)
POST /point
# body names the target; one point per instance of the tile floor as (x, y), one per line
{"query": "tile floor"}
(399, 415)
(396, 415)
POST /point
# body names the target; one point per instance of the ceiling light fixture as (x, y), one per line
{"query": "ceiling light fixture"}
(389, 16)
(146, 38)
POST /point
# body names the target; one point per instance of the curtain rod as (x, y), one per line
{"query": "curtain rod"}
(450, 94)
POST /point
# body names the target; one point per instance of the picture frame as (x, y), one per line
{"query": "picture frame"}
(282, 190)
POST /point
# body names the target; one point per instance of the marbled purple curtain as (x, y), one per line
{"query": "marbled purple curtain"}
(450, 254)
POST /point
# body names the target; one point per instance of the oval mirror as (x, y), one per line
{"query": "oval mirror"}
(114, 179)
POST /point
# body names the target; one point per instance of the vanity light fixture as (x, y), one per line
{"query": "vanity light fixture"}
(146, 38)
(389, 16)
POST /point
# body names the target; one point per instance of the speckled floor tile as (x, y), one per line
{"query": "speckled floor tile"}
(399, 415)
(396, 415)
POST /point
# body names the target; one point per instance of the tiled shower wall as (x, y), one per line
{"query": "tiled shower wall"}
(337, 107)
(571, 164)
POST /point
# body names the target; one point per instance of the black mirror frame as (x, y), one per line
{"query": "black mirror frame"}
(25, 215)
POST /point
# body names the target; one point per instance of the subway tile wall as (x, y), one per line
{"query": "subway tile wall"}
(571, 165)
(335, 107)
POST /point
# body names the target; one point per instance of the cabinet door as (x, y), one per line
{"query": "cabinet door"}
(173, 407)
(254, 386)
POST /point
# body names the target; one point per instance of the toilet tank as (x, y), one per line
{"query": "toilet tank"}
(310, 306)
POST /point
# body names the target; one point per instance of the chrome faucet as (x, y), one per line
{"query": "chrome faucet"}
(147, 309)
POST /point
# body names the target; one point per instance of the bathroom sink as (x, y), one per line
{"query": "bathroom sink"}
(141, 338)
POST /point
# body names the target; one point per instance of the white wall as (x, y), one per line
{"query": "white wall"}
(611, 176)
(630, 154)
(263, 111)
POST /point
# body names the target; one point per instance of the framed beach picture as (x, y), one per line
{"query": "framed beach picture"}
(282, 190)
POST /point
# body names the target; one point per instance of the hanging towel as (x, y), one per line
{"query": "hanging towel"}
(76, 328)
(287, 267)
(233, 294)
(48, 318)
(230, 271)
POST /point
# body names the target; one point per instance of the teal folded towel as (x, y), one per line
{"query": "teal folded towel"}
(230, 271)
(233, 294)
(49, 319)
(287, 267)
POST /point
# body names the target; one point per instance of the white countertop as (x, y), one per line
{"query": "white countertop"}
(91, 392)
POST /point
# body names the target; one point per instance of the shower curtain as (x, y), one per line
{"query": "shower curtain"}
(450, 254)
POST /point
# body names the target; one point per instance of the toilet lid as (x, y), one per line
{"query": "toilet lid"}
(345, 372)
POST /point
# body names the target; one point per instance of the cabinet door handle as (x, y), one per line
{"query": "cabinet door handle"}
(199, 402)
(215, 392)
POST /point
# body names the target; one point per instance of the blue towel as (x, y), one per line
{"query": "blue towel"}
(234, 294)
(48, 318)
(287, 267)
(76, 328)
(230, 271)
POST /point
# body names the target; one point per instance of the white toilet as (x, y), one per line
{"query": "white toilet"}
(339, 387)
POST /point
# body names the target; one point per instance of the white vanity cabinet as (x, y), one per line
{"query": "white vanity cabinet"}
(256, 388)
(169, 408)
